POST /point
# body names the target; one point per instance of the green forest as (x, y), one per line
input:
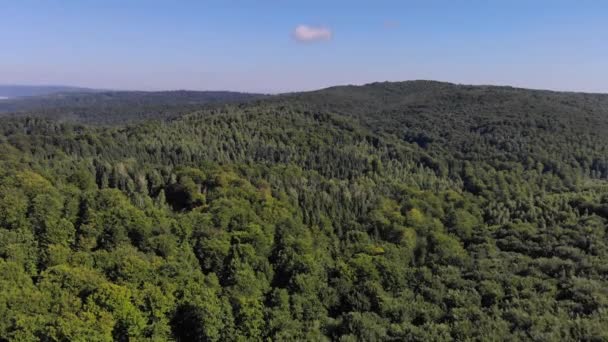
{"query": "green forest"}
(409, 211)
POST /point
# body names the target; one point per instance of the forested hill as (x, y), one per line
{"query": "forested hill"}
(412, 211)
(411, 97)
(117, 107)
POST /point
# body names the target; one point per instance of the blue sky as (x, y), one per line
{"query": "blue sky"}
(253, 45)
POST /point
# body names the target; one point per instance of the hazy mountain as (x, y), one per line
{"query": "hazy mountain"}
(10, 91)
(118, 106)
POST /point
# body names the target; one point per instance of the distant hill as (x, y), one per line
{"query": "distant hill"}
(111, 107)
(10, 91)
(376, 104)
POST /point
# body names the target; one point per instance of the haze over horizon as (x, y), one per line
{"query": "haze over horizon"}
(76, 88)
(273, 47)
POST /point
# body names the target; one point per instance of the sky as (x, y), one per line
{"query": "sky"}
(281, 45)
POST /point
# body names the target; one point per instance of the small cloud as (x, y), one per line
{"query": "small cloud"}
(391, 24)
(305, 33)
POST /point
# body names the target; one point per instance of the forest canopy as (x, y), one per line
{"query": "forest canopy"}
(417, 211)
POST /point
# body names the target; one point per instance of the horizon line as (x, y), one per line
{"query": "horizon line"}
(286, 92)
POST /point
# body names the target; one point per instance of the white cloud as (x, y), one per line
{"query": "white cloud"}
(305, 33)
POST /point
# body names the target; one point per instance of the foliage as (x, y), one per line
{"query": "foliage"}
(392, 211)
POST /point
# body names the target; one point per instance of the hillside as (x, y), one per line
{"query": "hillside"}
(417, 211)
